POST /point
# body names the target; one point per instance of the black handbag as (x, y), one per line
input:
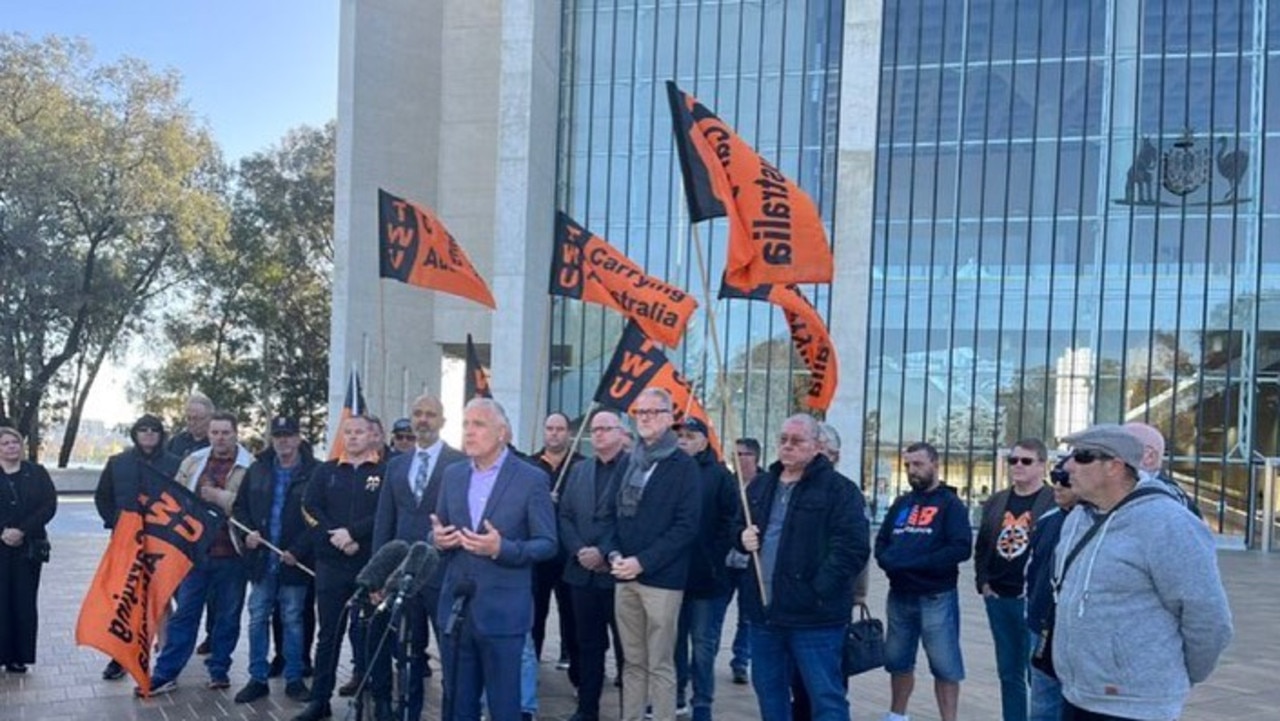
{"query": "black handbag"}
(863, 643)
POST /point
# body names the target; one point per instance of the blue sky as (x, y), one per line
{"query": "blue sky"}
(251, 69)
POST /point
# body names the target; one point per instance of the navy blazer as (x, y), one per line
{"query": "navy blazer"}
(520, 509)
(400, 515)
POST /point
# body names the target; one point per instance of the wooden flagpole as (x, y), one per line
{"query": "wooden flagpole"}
(573, 448)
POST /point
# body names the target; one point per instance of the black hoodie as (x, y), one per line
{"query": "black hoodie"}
(118, 484)
(923, 540)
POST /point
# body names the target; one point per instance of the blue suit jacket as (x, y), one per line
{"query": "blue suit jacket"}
(520, 509)
(400, 515)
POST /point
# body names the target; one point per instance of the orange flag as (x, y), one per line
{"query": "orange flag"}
(775, 232)
(808, 333)
(352, 405)
(586, 267)
(415, 248)
(639, 363)
(153, 547)
(476, 384)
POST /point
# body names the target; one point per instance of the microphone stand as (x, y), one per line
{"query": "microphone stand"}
(455, 645)
(404, 659)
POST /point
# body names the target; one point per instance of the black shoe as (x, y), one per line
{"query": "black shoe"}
(297, 691)
(527, 716)
(203, 649)
(740, 676)
(113, 672)
(314, 711)
(276, 670)
(15, 667)
(349, 688)
(252, 691)
(382, 710)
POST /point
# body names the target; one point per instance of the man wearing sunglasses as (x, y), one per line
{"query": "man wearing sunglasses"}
(1046, 691)
(1142, 614)
(999, 559)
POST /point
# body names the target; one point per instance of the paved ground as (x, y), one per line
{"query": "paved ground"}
(65, 684)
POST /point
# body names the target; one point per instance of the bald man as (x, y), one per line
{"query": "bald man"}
(1153, 459)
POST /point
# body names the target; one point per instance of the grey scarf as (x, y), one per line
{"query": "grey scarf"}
(643, 458)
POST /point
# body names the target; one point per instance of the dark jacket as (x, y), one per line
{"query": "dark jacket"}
(665, 525)
(121, 478)
(400, 515)
(989, 529)
(1039, 570)
(825, 544)
(923, 540)
(29, 503)
(586, 519)
(341, 495)
(253, 509)
(708, 576)
(184, 443)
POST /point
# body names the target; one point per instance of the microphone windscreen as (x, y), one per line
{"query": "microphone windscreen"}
(426, 568)
(374, 574)
(409, 568)
(466, 588)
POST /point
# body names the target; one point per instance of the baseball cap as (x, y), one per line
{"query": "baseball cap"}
(1111, 440)
(284, 426)
(693, 424)
(402, 425)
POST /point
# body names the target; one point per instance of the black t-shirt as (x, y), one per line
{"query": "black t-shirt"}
(1011, 545)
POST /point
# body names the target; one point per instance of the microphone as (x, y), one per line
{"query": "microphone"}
(374, 574)
(462, 593)
(411, 575)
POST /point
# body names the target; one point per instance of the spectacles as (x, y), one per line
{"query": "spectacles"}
(406, 437)
(1024, 460)
(786, 440)
(603, 429)
(649, 412)
(1084, 458)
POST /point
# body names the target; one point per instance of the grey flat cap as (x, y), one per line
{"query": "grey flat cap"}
(1109, 439)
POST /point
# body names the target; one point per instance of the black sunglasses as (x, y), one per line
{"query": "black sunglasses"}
(1086, 457)
(1015, 460)
(1059, 474)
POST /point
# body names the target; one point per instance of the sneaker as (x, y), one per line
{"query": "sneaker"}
(648, 713)
(562, 664)
(276, 669)
(217, 683)
(204, 648)
(349, 688)
(15, 667)
(252, 691)
(113, 672)
(159, 687)
(314, 711)
(682, 709)
(297, 691)
(740, 676)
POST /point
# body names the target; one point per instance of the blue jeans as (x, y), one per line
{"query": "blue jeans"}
(528, 677)
(263, 598)
(933, 618)
(1008, 620)
(1046, 692)
(742, 636)
(815, 653)
(220, 582)
(698, 630)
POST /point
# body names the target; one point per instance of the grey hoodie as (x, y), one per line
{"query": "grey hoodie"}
(1141, 614)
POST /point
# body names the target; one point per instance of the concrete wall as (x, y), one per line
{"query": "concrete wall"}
(448, 104)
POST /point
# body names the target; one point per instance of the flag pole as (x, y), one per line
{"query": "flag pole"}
(573, 448)
(269, 545)
(725, 401)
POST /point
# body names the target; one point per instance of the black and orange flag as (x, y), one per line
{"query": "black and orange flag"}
(153, 546)
(587, 267)
(415, 248)
(477, 381)
(808, 333)
(352, 405)
(639, 363)
(775, 232)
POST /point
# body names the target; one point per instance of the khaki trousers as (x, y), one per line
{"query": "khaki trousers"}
(647, 619)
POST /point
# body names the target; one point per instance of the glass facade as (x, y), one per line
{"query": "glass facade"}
(770, 69)
(1074, 223)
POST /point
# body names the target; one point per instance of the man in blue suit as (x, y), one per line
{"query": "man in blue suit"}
(404, 512)
(494, 520)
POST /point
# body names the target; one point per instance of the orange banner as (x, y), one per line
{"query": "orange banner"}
(352, 405)
(639, 363)
(587, 267)
(776, 235)
(809, 335)
(152, 549)
(416, 248)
